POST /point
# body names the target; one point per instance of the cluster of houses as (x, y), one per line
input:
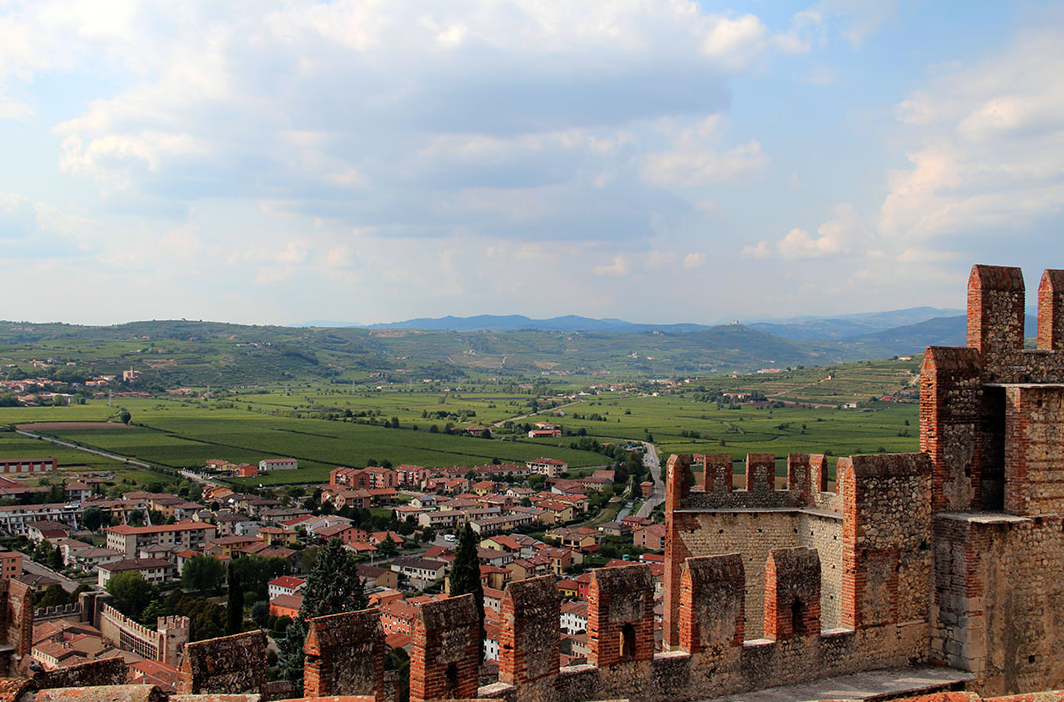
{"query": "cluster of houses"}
(497, 501)
(505, 558)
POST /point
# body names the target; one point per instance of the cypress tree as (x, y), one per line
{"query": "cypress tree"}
(234, 606)
(465, 575)
(333, 586)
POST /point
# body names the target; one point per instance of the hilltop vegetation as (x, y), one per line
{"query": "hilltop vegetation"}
(175, 353)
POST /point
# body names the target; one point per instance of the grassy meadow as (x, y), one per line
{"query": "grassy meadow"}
(305, 420)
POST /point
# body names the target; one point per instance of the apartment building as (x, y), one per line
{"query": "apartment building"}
(181, 535)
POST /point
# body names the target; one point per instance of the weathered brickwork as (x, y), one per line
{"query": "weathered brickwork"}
(792, 594)
(529, 646)
(345, 655)
(445, 657)
(107, 671)
(620, 615)
(230, 664)
(712, 603)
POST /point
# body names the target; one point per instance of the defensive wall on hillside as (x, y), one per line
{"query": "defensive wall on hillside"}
(951, 557)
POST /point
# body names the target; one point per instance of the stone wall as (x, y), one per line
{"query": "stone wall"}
(108, 671)
(1034, 435)
(230, 664)
(444, 661)
(345, 655)
(18, 618)
(886, 539)
(999, 599)
(529, 646)
(718, 519)
(792, 593)
(620, 615)
(712, 605)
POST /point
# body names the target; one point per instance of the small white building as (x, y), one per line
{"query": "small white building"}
(573, 617)
(268, 464)
(285, 585)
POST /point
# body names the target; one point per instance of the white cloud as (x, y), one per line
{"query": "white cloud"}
(987, 144)
(737, 42)
(706, 167)
(762, 250)
(619, 266)
(695, 260)
(295, 252)
(798, 243)
(843, 233)
(657, 258)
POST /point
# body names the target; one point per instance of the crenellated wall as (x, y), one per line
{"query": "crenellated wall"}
(717, 519)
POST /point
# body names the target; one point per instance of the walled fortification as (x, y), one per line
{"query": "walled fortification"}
(165, 643)
(951, 557)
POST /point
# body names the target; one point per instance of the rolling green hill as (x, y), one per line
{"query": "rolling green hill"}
(173, 353)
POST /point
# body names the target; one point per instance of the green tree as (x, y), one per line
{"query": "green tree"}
(387, 548)
(234, 606)
(93, 518)
(256, 571)
(259, 612)
(131, 591)
(333, 586)
(53, 596)
(202, 572)
(465, 575)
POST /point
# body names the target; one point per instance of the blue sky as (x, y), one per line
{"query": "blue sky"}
(653, 160)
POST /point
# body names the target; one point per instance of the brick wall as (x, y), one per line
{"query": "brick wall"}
(792, 593)
(345, 655)
(529, 642)
(230, 664)
(620, 615)
(444, 660)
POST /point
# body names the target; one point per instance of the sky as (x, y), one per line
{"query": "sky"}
(283, 161)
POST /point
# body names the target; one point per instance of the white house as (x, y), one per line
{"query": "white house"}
(285, 585)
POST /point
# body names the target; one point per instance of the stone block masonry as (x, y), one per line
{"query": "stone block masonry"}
(712, 603)
(792, 593)
(529, 647)
(620, 615)
(445, 659)
(345, 655)
(230, 664)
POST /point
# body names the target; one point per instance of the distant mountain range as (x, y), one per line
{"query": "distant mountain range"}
(181, 352)
(832, 327)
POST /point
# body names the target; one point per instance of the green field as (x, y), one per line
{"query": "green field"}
(174, 434)
(325, 425)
